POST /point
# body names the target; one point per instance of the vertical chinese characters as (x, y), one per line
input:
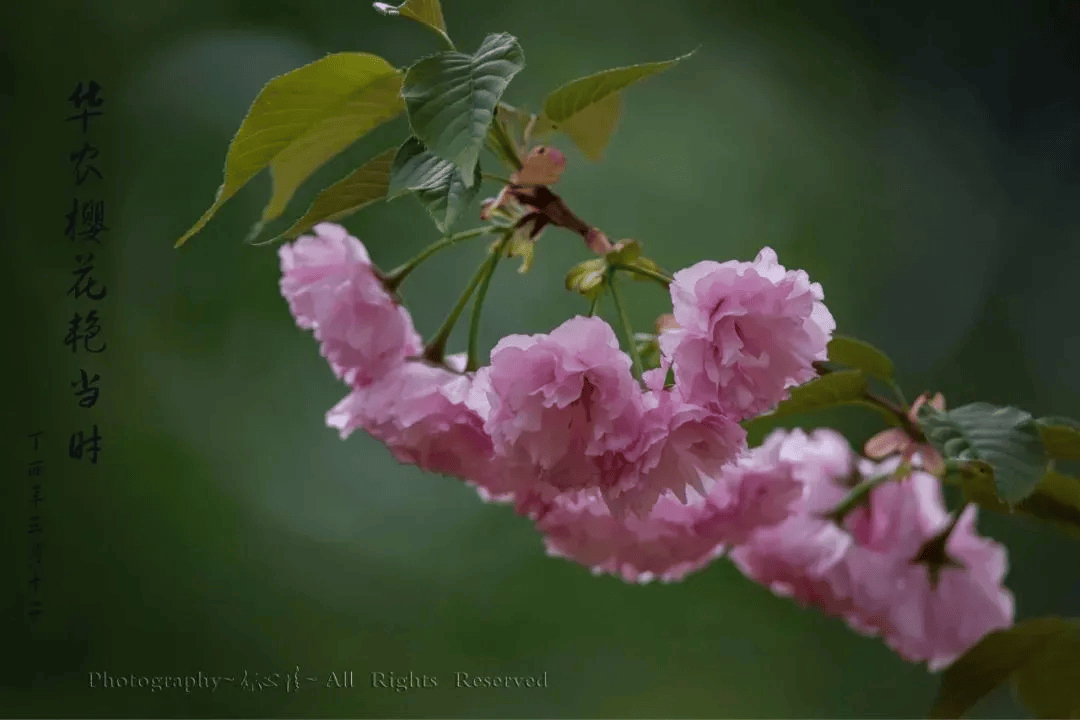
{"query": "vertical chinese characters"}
(35, 527)
(84, 225)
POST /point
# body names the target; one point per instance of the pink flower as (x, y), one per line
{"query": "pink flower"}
(332, 289)
(425, 415)
(563, 408)
(767, 484)
(896, 597)
(866, 571)
(679, 445)
(794, 558)
(667, 544)
(746, 332)
(677, 535)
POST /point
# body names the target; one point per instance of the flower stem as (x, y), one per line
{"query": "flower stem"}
(496, 178)
(505, 148)
(625, 319)
(436, 347)
(488, 271)
(913, 431)
(594, 303)
(661, 278)
(897, 413)
(858, 496)
(396, 276)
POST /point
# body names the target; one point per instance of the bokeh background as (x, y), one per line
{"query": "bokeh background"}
(918, 159)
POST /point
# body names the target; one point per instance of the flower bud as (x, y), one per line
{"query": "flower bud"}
(598, 242)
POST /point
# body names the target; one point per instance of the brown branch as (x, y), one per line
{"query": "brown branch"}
(549, 209)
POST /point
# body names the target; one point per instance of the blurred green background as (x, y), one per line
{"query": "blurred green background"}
(918, 161)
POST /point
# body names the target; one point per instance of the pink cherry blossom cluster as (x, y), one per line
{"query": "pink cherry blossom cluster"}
(648, 481)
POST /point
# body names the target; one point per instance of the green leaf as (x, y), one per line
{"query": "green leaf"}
(1006, 438)
(575, 96)
(436, 182)
(862, 355)
(977, 482)
(592, 127)
(414, 167)
(1059, 420)
(516, 122)
(625, 255)
(1061, 436)
(1049, 682)
(302, 119)
(1056, 499)
(445, 204)
(840, 388)
(425, 12)
(992, 661)
(451, 98)
(580, 97)
(363, 186)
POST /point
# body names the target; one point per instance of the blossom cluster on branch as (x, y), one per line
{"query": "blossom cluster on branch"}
(648, 479)
(637, 464)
